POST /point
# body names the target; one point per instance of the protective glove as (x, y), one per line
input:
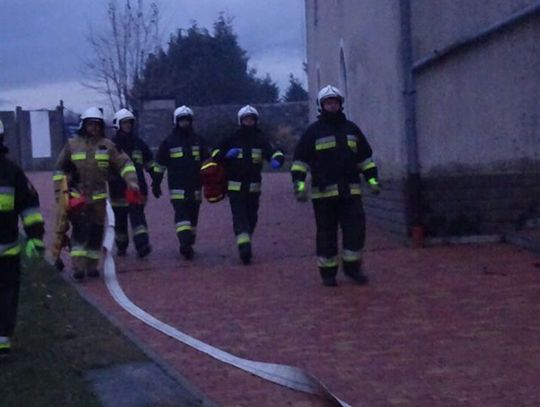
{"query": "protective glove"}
(34, 248)
(156, 190)
(374, 186)
(275, 164)
(233, 152)
(300, 191)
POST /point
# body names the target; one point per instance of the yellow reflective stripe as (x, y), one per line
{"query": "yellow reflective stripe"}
(277, 154)
(198, 195)
(13, 249)
(299, 166)
(7, 199)
(183, 226)
(208, 165)
(325, 143)
(367, 164)
(350, 255)
(59, 176)
(5, 345)
(177, 193)
(177, 152)
(127, 168)
(215, 152)
(355, 189)
(243, 238)
(32, 219)
(74, 194)
(329, 192)
(159, 168)
(234, 186)
(139, 230)
(78, 252)
(325, 262)
(102, 156)
(256, 155)
(78, 156)
(373, 181)
(100, 196)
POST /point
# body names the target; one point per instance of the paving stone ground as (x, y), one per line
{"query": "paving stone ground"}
(441, 326)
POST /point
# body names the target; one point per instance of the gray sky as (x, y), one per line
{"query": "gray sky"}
(43, 46)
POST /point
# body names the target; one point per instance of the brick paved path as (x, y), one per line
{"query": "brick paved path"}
(445, 326)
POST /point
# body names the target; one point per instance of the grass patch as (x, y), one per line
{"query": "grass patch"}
(58, 337)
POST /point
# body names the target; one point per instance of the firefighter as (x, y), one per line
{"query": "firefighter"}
(181, 155)
(335, 151)
(93, 158)
(18, 198)
(126, 141)
(243, 155)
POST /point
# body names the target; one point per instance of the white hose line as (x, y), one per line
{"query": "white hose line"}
(288, 376)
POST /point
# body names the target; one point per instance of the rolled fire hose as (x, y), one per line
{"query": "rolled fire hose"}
(288, 376)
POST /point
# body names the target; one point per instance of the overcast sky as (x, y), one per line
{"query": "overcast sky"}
(43, 46)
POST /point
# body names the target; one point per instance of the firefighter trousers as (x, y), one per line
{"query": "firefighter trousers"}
(133, 214)
(244, 208)
(87, 236)
(186, 217)
(347, 213)
(10, 274)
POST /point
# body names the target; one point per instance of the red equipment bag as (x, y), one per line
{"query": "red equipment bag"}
(133, 197)
(214, 180)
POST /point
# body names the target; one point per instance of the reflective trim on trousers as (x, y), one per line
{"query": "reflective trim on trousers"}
(183, 226)
(139, 230)
(327, 262)
(243, 238)
(350, 255)
(31, 216)
(10, 249)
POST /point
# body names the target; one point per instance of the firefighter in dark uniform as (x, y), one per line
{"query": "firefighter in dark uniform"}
(88, 160)
(243, 154)
(18, 198)
(335, 151)
(125, 140)
(181, 155)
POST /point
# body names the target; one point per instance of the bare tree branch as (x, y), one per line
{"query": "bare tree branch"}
(121, 50)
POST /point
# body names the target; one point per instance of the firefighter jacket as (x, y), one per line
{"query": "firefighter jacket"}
(18, 198)
(244, 171)
(141, 156)
(89, 163)
(335, 151)
(181, 155)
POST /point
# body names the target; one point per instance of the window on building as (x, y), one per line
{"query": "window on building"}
(343, 80)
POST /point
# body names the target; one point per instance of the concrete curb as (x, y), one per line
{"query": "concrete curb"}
(152, 355)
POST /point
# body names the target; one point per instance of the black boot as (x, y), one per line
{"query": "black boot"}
(187, 251)
(144, 250)
(328, 275)
(244, 250)
(353, 270)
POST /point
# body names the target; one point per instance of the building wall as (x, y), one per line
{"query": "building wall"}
(360, 40)
(477, 110)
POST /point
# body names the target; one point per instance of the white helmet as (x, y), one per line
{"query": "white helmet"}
(1, 128)
(329, 92)
(122, 114)
(247, 110)
(93, 113)
(182, 111)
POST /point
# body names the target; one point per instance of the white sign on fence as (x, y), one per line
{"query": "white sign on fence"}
(40, 132)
